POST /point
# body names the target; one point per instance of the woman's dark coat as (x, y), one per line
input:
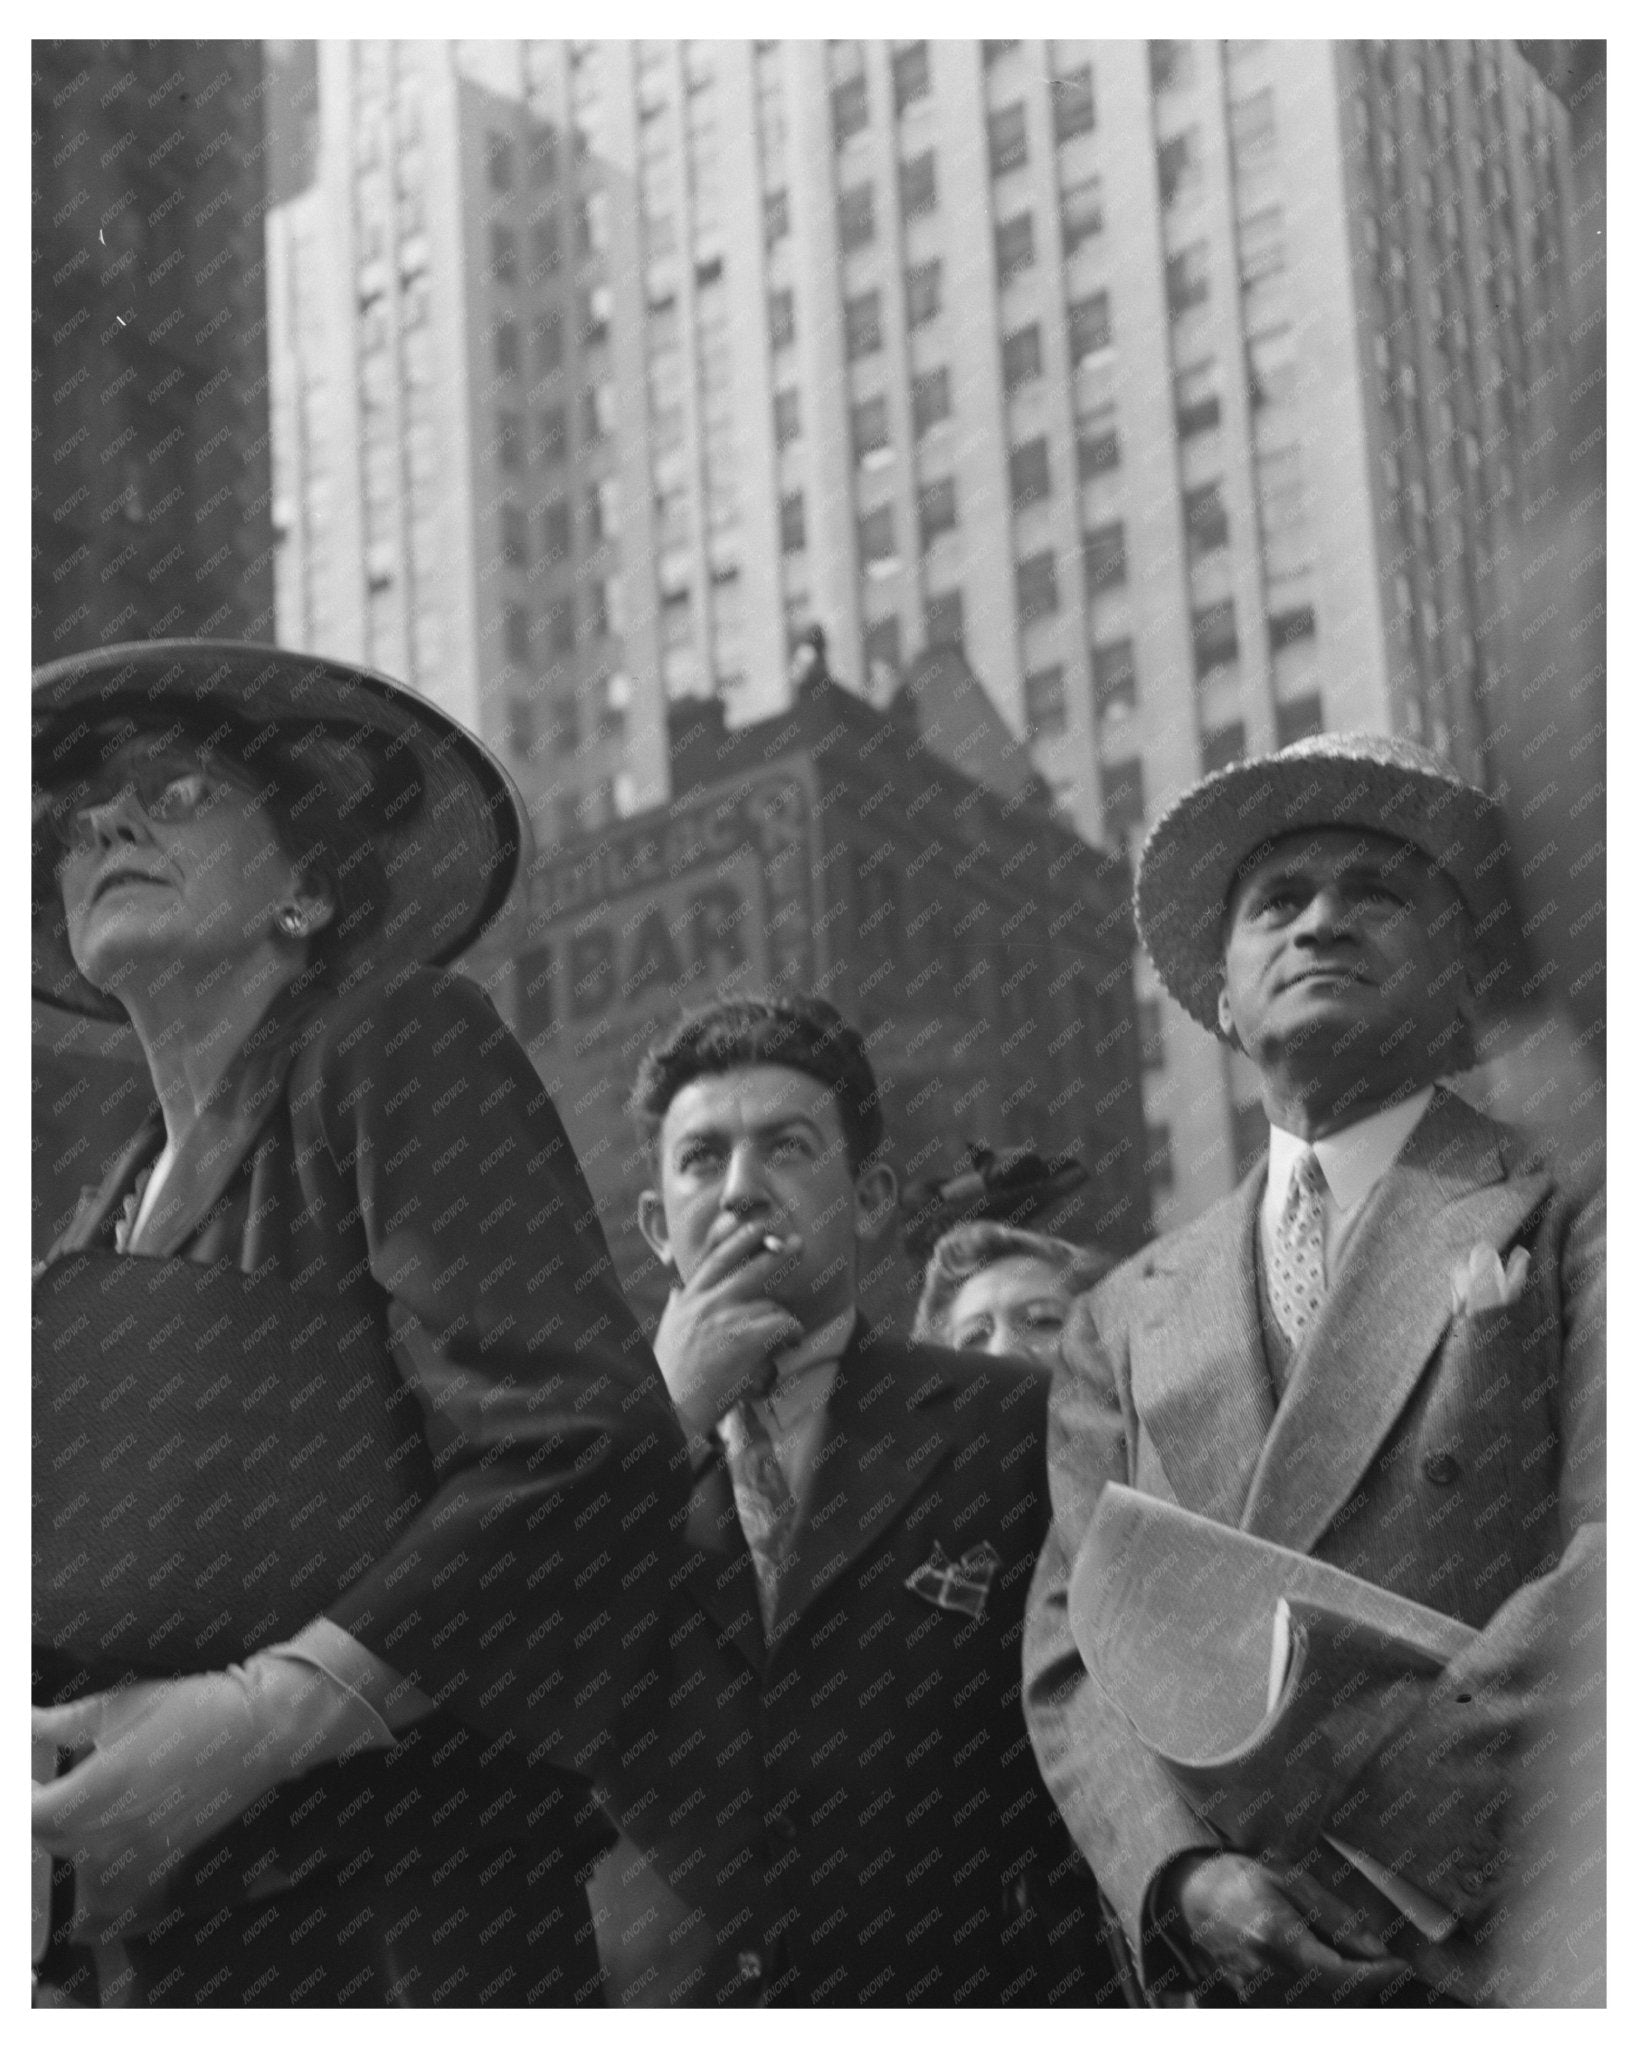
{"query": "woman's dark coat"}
(394, 1151)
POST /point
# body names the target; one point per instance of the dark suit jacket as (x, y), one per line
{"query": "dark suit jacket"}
(395, 1152)
(1456, 1459)
(852, 1811)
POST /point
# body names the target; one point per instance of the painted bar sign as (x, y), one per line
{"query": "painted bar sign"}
(715, 892)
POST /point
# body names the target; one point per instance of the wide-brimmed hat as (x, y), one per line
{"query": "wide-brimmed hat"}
(450, 849)
(1371, 781)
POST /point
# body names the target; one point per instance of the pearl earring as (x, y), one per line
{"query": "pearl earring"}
(292, 922)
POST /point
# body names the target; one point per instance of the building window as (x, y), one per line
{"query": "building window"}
(870, 428)
(793, 523)
(1073, 112)
(1097, 449)
(597, 412)
(1009, 139)
(1103, 553)
(923, 292)
(1168, 64)
(787, 417)
(520, 727)
(936, 505)
(929, 400)
(560, 626)
(1286, 628)
(1037, 583)
(776, 215)
(1222, 748)
(1015, 246)
(1216, 643)
(548, 343)
(1198, 406)
(1187, 281)
(603, 510)
(1251, 124)
(1262, 245)
(1082, 213)
(508, 349)
(1046, 703)
(543, 159)
(882, 646)
(516, 620)
(918, 185)
(1298, 720)
(849, 107)
(781, 318)
(1114, 679)
(1151, 1033)
(1089, 327)
(1271, 366)
(995, 51)
(856, 217)
(1205, 517)
(944, 619)
(596, 313)
(554, 434)
(545, 249)
(911, 75)
(1030, 473)
(566, 723)
(509, 450)
(862, 319)
(1021, 357)
(1177, 166)
(500, 162)
(556, 532)
(605, 608)
(1122, 790)
(503, 254)
(514, 529)
(876, 542)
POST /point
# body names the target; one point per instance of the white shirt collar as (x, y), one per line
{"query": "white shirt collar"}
(1354, 1159)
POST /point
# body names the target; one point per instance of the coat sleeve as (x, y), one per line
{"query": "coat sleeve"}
(1123, 1811)
(1501, 1760)
(524, 1595)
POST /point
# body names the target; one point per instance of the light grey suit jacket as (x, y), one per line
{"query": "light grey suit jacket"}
(1455, 1458)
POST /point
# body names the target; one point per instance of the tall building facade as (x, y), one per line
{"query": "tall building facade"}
(1183, 384)
(150, 405)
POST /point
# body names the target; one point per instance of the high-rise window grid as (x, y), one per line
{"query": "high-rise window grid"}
(918, 185)
(1074, 111)
(923, 292)
(1008, 139)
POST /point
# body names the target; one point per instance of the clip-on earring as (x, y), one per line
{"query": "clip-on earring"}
(292, 922)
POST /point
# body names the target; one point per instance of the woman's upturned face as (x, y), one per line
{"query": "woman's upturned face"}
(171, 865)
(1017, 1306)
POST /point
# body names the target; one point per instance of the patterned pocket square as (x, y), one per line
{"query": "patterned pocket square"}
(965, 1586)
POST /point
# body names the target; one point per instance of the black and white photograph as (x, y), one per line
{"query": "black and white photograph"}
(818, 1025)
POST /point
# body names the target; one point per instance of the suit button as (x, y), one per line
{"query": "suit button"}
(1472, 1880)
(1441, 1468)
(781, 1827)
(750, 1966)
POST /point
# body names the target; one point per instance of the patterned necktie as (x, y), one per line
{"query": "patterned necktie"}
(767, 1508)
(1296, 1280)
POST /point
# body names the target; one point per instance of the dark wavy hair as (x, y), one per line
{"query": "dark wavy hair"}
(329, 788)
(798, 1031)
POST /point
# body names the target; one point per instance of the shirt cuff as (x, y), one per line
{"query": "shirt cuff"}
(391, 1700)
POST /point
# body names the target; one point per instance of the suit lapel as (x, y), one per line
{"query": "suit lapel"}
(885, 1437)
(717, 1572)
(1382, 1317)
(1199, 1376)
(91, 1219)
(225, 1133)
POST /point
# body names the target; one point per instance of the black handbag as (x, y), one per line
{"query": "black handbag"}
(216, 1456)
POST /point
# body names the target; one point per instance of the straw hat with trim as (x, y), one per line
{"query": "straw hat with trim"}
(449, 852)
(1370, 781)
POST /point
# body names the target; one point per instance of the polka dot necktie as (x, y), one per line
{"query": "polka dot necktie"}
(767, 1510)
(1296, 1281)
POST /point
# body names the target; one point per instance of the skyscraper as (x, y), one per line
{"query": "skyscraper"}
(150, 404)
(1183, 384)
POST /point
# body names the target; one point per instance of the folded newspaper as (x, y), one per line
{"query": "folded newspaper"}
(1260, 1678)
